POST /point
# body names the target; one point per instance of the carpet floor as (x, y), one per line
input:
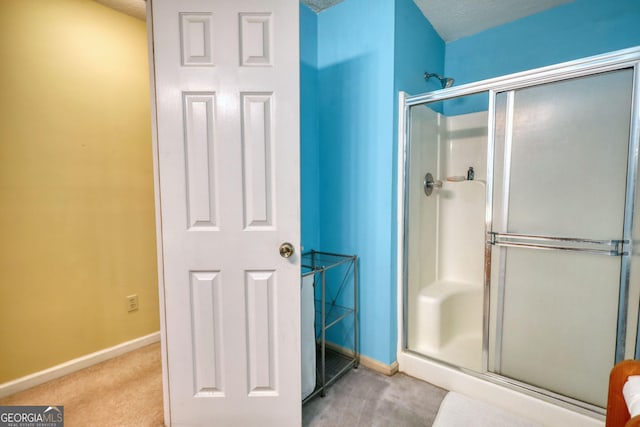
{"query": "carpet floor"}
(364, 398)
(127, 391)
(123, 391)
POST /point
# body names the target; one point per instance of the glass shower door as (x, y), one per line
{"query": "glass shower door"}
(557, 241)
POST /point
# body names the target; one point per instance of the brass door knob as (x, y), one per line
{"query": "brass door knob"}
(286, 250)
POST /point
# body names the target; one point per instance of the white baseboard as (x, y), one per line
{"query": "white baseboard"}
(74, 365)
(367, 362)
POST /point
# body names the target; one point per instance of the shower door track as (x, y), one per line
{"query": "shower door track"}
(625, 58)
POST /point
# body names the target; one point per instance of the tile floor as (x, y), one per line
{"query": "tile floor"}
(364, 398)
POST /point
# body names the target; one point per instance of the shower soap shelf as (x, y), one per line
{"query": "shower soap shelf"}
(335, 285)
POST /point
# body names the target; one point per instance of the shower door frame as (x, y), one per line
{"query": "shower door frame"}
(617, 60)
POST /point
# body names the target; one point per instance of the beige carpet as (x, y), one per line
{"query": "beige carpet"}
(124, 391)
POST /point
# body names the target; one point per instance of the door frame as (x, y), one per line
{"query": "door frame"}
(458, 379)
(158, 218)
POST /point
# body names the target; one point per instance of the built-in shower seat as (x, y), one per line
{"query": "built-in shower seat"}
(446, 310)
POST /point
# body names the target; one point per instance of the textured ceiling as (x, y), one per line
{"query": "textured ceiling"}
(454, 19)
(320, 5)
(135, 8)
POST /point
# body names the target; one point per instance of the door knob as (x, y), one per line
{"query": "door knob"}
(286, 250)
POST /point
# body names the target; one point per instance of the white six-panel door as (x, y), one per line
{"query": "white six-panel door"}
(227, 117)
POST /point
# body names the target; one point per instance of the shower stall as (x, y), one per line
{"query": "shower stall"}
(519, 260)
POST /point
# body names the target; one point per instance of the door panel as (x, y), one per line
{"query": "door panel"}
(570, 142)
(227, 97)
(559, 321)
(560, 183)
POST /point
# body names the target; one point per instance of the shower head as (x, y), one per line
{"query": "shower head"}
(444, 81)
(448, 82)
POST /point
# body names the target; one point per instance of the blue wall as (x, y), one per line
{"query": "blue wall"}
(355, 78)
(309, 131)
(418, 48)
(350, 167)
(572, 31)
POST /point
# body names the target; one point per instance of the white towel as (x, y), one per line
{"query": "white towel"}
(308, 336)
(631, 393)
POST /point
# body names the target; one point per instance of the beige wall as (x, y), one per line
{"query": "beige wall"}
(76, 183)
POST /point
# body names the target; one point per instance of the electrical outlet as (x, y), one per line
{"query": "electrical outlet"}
(132, 303)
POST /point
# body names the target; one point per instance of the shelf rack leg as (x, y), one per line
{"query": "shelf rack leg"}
(323, 338)
(356, 347)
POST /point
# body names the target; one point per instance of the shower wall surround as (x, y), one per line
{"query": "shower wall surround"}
(446, 238)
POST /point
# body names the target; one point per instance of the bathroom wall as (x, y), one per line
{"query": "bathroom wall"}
(309, 130)
(571, 31)
(355, 82)
(575, 30)
(360, 70)
(77, 230)
(417, 49)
